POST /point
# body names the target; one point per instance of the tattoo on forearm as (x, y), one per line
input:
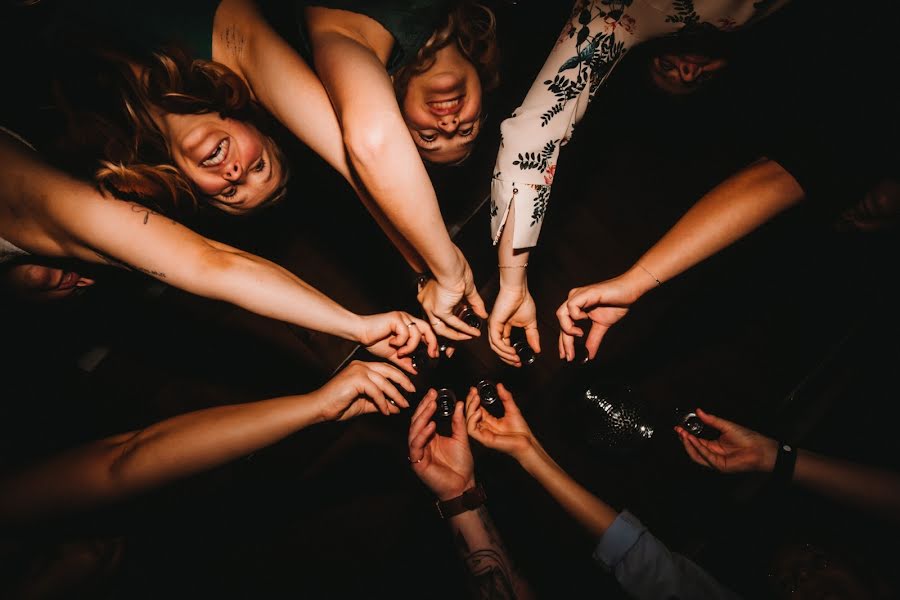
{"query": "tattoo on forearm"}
(118, 263)
(492, 575)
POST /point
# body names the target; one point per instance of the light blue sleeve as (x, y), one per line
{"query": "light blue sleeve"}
(647, 570)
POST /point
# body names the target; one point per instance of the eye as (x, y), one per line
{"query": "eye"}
(260, 166)
(427, 138)
(466, 132)
(229, 193)
(666, 65)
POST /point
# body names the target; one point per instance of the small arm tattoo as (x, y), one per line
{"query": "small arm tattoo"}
(234, 40)
(124, 265)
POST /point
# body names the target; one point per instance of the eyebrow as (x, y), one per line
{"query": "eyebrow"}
(465, 144)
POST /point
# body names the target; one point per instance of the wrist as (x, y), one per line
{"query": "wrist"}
(638, 281)
(514, 279)
(456, 492)
(357, 329)
(452, 271)
(768, 456)
(533, 456)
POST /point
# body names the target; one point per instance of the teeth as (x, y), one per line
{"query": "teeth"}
(218, 155)
(446, 104)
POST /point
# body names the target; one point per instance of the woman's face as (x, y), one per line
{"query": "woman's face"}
(42, 283)
(229, 161)
(684, 73)
(442, 108)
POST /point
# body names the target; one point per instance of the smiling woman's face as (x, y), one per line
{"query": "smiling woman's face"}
(442, 108)
(236, 167)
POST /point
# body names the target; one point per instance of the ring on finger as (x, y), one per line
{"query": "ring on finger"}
(410, 324)
(414, 461)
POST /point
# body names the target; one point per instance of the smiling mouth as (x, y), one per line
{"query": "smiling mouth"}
(446, 107)
(218, 154)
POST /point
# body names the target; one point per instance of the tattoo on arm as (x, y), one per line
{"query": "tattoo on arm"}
(123, 265)
(492, 575)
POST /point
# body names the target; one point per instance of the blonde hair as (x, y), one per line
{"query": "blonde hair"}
(473, 28)
(113, 122)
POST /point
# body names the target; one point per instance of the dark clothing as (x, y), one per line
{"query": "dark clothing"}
(411, 22)
(146, 26)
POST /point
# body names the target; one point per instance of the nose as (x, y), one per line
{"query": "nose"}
(689, 71)
(233, 171)
(449, 124)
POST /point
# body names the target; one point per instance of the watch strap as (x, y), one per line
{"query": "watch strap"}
(468, 500)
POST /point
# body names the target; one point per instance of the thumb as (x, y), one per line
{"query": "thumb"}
(534, 338)
(477, 304)
(717, 422)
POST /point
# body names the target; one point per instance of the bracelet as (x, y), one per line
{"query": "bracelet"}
(658, 282)
(512, 266)
(469, 500)
(785, 461)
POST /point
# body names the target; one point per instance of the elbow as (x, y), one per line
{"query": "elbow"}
(367, 143)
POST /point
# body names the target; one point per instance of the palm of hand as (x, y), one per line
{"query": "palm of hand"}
(736, 451)
(607, 316)
(448, 467)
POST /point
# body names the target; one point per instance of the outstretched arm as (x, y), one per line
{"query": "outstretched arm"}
(387, 163)
(126, 464)
(740, 449)
(727, 213)
(288, 88)
(46, 212)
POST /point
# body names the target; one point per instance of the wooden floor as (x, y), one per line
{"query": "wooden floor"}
(793, 331)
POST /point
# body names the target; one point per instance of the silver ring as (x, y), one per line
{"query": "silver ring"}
(436, 323)
(410, 324)
(415, 461)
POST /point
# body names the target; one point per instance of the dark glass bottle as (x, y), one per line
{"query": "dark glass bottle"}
(610, 416)
(690, 422)
(490, 400)
(443, 416)
(468, 316)
(520, 344)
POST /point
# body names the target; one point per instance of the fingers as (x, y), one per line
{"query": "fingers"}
(689, 448)
(426, 405)
(533, 338)
(566, 322)
(499, 342)
(400, 330)
(419, 441)
(460, 326)
(476, 303)
(445, 330)
(509, 404)
(413, 338)
(376, 395)
(422, 416)
(458, 424)
(428, 335)
(714, 460)
(567, 346)
(393, 374)
(595, 336)
(717, 422)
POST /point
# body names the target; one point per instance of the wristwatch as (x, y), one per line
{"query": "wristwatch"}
(469, 500)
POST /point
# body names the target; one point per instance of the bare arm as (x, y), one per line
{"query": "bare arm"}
(385, 159)
(46, 212)
(129, 463)
(289, 89)
(727, 213)
(740, 449)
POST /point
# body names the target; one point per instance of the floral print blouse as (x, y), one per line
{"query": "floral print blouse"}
(596, 37)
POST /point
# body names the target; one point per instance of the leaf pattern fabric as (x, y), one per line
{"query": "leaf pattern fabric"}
(593, 41)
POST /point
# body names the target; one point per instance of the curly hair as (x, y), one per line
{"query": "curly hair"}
(473, 28)
(112, 118)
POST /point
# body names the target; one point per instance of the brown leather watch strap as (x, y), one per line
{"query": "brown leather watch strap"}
(469, 500)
